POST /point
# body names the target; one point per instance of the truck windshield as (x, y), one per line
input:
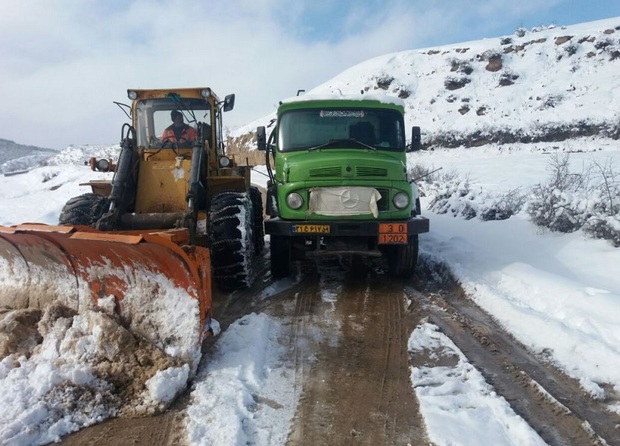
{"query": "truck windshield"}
(344, 127)
(154, 116)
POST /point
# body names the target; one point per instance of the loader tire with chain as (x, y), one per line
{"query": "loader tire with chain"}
(84, 210)
(259, 229)
(231, 239)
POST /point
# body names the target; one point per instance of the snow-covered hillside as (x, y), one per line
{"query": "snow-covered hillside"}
(16, 157)
(544, 84)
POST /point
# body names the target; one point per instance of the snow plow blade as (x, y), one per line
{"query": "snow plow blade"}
(143, 277)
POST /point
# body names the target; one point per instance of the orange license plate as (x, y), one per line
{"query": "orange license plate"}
(393, 233)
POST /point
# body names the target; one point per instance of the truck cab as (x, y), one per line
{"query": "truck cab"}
(339, 182)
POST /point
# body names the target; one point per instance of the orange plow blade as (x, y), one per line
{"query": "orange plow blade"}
(158, 287)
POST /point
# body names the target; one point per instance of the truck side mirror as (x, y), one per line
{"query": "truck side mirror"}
(229, 102)
(261, 138)
(416, 139)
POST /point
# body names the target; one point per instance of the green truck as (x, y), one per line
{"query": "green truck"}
(338, 182)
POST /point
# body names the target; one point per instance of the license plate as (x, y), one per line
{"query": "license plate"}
(393, 233)
(311, 229)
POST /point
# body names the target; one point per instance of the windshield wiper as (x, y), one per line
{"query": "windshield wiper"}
(332, 142)
(176, 98)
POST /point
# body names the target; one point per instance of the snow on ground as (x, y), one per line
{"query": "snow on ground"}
(456, 400)
(245, 395)
(557, 293)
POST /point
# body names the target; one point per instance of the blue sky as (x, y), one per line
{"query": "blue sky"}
(322, 19)
(65, 61)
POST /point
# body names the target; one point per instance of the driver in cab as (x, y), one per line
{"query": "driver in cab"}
(178, 132)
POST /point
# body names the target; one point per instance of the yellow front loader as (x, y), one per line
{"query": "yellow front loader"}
(178, 211)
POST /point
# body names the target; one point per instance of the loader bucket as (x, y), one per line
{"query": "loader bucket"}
(158, 287)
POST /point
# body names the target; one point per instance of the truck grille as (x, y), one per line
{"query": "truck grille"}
(363, 171)
(336, 171)
(323, 172)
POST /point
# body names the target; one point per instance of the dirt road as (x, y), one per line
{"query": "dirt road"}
(348, 327)
(354, 378)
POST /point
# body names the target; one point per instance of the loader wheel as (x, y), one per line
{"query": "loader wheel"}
(259, 229)
(280, 256)
(402, 259)
(231, 229)
(84, 210)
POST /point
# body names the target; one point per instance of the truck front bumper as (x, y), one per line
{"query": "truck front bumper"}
(340, 228)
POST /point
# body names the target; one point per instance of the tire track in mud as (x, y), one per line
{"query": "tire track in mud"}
(350, 343)
(550, 401)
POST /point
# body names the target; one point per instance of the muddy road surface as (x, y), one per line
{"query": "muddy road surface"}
(353, 379)
(347, 330)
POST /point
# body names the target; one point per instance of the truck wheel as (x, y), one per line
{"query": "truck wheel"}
(402, 259)
(84, 210)
(259, 229)
(280, 256)
(231, 242)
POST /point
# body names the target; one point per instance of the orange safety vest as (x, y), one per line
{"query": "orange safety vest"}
(187, 133)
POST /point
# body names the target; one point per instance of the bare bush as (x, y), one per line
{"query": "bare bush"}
(431, 175)
(455, 196)
(606, 228)
(520, 32)
(570, 49)
(589, 200)
(553, 204)
(605, 221)
(504, 206)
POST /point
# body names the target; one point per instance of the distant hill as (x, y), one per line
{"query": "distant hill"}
(544, 85)
(14, 156)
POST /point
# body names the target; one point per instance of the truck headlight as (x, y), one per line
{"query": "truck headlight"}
(294, 200)
(401, 200)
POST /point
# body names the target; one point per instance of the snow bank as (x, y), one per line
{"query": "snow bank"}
(456, 402)
(245, 394)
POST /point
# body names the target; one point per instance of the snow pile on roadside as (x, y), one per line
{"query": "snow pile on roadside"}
(557, 294)
(61, 371)
(455, 399)
(245, 395)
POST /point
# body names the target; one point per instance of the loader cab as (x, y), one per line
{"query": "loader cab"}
(152, 118)
(201, 109)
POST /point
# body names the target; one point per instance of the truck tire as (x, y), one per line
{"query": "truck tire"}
(402, 259)
(231, 229)
(83, 210)
(280, 256)
(259, 229)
